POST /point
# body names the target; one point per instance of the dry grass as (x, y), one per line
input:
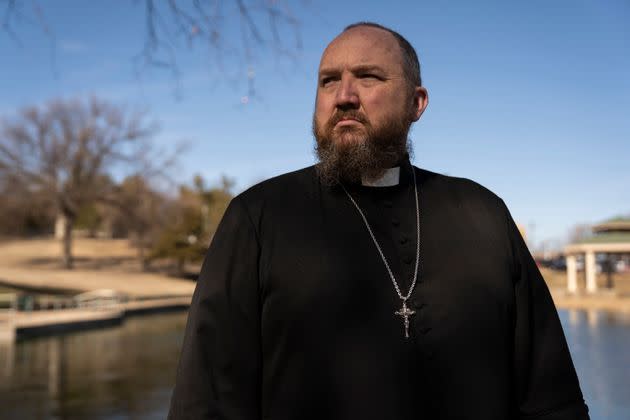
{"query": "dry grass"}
(99, 264)
(46, 253)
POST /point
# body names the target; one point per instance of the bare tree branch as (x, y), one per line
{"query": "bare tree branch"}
(9, 12)
(205, 22)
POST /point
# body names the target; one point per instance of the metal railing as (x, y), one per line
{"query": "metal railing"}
(100, 299)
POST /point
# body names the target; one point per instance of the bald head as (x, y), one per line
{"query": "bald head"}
(411, 63)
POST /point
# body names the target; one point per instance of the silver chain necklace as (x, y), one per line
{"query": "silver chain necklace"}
(405, 313)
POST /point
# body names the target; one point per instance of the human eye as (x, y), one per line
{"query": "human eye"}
(369, 78)
(326, 80)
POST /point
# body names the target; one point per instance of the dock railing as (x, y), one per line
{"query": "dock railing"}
(102, 299)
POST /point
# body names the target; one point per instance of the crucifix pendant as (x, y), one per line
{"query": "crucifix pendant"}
(405, 313)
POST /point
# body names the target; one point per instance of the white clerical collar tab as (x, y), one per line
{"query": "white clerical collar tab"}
(390, 178)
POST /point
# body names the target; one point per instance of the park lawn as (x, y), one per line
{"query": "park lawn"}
(35, 264)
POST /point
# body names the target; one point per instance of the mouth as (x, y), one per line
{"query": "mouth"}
(348, 121)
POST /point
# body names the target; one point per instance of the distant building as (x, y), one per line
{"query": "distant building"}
(609, 242)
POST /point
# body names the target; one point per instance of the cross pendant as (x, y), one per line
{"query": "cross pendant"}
(405, 313)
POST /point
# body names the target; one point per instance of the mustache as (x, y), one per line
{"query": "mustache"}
(345, 115)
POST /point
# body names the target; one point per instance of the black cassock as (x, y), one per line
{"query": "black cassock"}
(294, 316)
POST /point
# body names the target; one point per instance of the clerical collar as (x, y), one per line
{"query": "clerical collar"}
(390, 178)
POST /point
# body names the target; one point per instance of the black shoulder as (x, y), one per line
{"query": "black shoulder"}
(272, 197)
(456, 187)
(297, 182)
(462, 197)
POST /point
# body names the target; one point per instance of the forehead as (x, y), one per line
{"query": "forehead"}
(363, 46)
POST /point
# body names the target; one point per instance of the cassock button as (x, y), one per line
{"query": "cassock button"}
(395, 222)
(387, 203)
(407, 260)
(421, 305)
(403, 240)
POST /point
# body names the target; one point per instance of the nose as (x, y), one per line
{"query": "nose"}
(347, 95)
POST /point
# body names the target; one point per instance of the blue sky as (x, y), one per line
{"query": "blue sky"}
(530, 99)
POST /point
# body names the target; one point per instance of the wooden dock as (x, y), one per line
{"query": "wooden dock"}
(17, 324)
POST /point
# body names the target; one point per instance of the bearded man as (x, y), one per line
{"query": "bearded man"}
(366, 288)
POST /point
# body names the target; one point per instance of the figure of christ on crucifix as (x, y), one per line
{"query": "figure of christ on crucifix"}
(405, 313)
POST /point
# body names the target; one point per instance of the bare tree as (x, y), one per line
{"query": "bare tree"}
(261, 24)
(65, 148)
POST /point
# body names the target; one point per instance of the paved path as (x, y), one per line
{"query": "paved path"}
(135, 285)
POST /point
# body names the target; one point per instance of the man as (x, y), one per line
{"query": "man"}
(366, 288)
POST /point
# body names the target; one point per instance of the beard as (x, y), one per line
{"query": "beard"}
(351, 153)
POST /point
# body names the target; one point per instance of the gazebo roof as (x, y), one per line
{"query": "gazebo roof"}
(616, 225)
(612, 236)
(607, 237)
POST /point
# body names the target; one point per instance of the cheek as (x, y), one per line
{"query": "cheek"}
(323, 110)
(378, 100)
(382, 106)
(391, 97)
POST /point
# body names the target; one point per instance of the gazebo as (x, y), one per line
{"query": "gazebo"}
(610, 237)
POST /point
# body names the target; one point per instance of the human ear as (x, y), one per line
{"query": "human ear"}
(420, 102)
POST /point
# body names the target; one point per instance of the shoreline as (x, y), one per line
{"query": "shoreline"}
(603, 301)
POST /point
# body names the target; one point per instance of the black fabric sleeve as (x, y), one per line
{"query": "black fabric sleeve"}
(546, 383)
(219, 371)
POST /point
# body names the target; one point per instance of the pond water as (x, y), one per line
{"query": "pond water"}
(600, 347)
(127, 372)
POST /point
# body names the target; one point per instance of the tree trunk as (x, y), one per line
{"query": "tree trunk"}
(67, 242)
(180, 267)
(142, 254)
(60, 223)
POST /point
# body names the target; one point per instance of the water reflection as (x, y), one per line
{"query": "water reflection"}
(127, 371)
(600, 346)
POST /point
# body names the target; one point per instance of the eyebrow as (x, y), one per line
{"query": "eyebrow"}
(362, 68)
(367, 68)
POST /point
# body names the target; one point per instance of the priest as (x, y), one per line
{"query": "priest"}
(366, 288)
